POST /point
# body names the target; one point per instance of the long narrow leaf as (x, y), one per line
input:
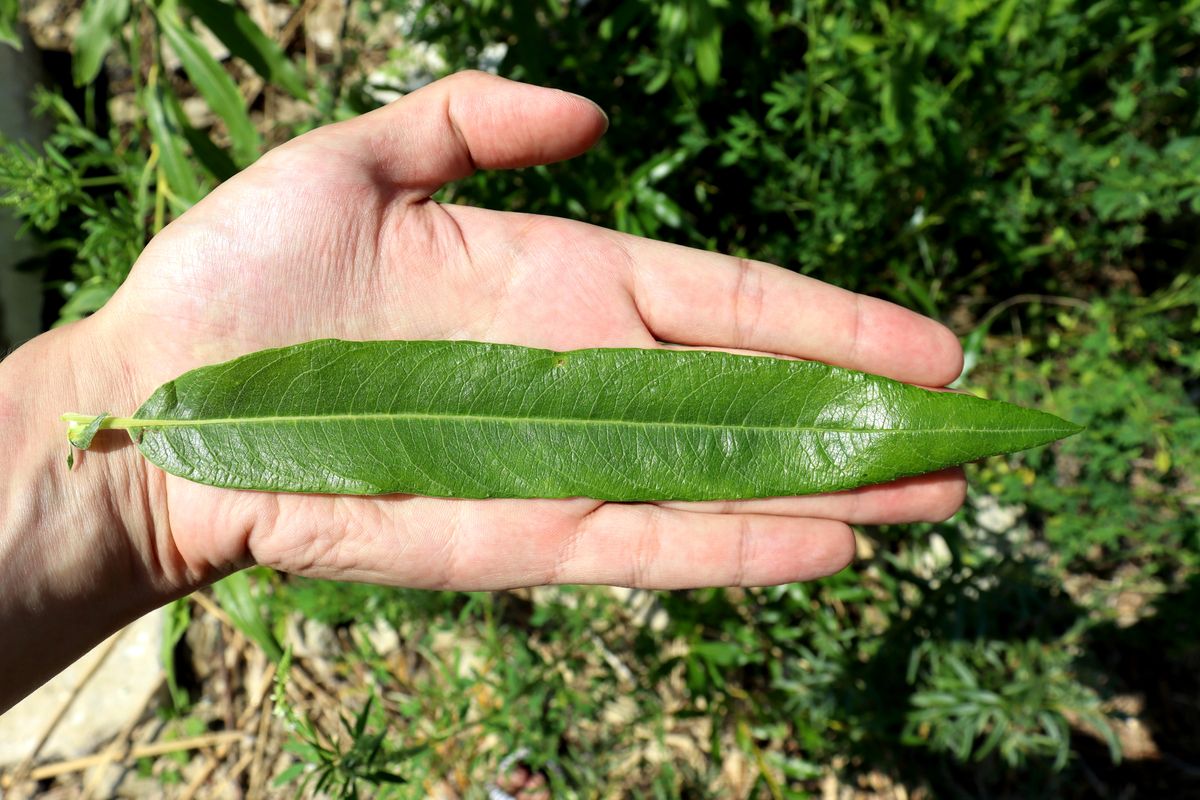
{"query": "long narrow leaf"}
(234, 27)
(9, 11)
(468, 419)
(213, 158)
(177, 618)
(215, 85)
(237, 598)
(164, 130)
(98, 24)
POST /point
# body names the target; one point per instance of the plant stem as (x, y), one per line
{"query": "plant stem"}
(109, 423)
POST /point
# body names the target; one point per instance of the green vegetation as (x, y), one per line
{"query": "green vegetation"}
(1026, 170)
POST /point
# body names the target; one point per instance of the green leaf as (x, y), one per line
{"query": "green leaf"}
(237, 598)
(165, 131)
(708, 57)
(99, 22)
(246, 40)
(290, 774)
(467, 419)
(81, 432)
(87, 299)
(211, 157)
(382, 776)
(9, 14)
(175, 624)
(214, 83)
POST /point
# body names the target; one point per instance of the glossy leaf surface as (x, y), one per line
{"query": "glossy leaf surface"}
(467, 419)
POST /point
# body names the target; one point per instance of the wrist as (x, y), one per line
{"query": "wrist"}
(82, 552)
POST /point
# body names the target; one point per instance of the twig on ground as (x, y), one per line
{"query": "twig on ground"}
(289, 29)
(144, 751)
(257, 770)
(1023, 299)
(257, 705)
(236, 651)
(24, 769)
(121, 744)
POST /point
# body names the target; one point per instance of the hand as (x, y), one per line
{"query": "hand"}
(334, 235)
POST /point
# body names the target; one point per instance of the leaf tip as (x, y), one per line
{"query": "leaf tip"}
(1071, 428)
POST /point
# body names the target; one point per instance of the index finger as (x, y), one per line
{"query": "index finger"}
(706, 299)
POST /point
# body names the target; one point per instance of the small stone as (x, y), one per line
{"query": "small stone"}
(384, 638)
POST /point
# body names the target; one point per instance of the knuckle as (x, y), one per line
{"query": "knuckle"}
(855, 334)
(748, 301)
(449, 573)
(744, 543)
(645, 550)
(565, 554)
(466, 76)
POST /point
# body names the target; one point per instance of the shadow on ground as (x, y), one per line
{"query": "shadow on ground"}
(1156, 662)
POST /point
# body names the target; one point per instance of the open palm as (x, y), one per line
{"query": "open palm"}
(334, 235)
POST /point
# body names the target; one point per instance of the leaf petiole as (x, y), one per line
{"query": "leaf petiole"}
(78, 423)
(82, 428)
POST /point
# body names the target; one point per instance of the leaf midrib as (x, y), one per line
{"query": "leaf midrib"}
(136, 422)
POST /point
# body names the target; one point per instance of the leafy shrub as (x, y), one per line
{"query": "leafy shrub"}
(89, 196)
(1125, 492)
(920, 151)
(99, 191)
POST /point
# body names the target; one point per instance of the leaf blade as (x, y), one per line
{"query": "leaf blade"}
(9, 18)
(98, 25)
(214, 83)
(468, 419)
(165, 132)
(234, 27)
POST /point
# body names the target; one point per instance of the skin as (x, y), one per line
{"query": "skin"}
(334, 235)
